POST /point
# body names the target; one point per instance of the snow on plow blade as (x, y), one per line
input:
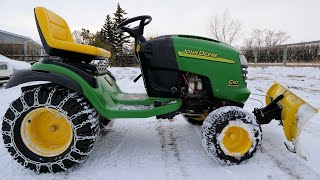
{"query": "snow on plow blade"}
(294, 115)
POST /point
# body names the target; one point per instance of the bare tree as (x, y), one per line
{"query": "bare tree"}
(248, 43)
(265, 38)
(76, 34)
(282, 37)
(225, 28)
(274, 38)
(83, 36)
(258, 37)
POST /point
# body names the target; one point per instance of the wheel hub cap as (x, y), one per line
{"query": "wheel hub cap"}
(46, 132)
(236, 140)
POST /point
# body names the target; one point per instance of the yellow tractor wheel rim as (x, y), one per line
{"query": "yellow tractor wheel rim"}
(46, 132)
(236, 140)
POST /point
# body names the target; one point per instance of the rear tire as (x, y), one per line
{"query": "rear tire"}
(55, 102)
(230, 135)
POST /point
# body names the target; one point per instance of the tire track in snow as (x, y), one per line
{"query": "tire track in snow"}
(107, 146)
(171, 155)
(281, 166)
(289, 165)
(117, 139)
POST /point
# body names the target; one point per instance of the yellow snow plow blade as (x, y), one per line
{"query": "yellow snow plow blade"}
(294, 115)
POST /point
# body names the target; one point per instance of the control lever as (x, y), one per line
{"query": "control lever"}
(137, 78)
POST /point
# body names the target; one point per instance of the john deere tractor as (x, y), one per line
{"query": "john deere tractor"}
(52, 127)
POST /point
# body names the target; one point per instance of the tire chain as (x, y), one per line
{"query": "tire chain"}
(208, 131)
(93, 119)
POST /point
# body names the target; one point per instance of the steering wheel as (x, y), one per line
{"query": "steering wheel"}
(137, 31)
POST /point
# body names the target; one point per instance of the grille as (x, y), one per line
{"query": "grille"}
(244, 73)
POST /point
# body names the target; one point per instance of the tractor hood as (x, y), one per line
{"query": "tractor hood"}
(216, 60)
(205, 49)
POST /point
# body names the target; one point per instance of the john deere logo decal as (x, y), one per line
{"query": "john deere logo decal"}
(203, 55)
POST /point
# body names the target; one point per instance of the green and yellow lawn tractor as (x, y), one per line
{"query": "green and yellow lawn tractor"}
(52, 127)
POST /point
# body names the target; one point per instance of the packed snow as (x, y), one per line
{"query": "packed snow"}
(171, 149)
(305, 112)
(16, 65)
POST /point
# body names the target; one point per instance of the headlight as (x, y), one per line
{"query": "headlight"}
(243, 60)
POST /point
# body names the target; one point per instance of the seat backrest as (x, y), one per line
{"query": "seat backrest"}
(52, 26)
(57, 39)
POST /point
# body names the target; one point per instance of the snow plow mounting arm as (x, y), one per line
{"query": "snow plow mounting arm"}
(271, 111)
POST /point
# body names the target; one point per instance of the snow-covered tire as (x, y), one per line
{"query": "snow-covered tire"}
(224, 129)
(83, 126)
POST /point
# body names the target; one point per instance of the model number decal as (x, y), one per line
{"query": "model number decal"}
(203, 55)
(233, 83)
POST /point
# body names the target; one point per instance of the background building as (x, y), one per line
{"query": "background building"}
(17, 45)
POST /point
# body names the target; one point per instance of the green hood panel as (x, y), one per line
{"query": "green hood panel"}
(215, 60)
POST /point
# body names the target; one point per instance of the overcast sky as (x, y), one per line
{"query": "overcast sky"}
(300, 19)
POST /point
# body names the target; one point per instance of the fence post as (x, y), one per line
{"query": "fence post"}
(285, 53)
(255, 53)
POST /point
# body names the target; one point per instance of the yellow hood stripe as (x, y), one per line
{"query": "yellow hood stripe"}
(181, 54)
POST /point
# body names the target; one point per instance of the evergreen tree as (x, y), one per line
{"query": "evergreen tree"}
(108, 31)
(99, 41)
(120, 39)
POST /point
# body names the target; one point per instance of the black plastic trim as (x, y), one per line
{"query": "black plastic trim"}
(85, 73)
(23, 76)
(198, 37)
(159, 67)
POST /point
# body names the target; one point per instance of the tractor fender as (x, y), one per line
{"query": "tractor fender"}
(23, 76)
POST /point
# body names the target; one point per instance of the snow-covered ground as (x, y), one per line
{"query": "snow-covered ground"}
(172, 149)
(16, 65)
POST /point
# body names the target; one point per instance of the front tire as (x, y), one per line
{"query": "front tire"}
(50, 129)
(230, 135)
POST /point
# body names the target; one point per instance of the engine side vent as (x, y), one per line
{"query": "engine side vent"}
(198, 37)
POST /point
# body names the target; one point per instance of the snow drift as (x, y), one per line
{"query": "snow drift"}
(16, 65)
